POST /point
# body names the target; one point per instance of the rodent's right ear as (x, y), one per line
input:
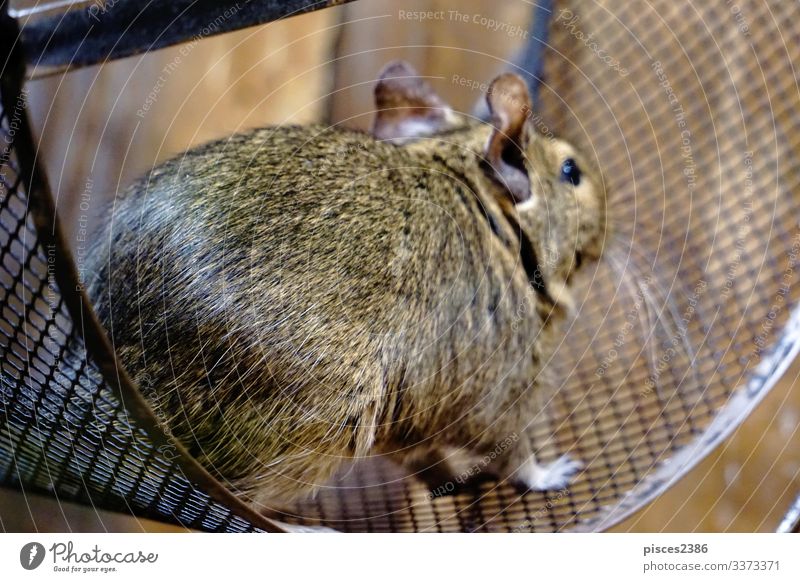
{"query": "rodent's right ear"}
(510, 105)
(407, 107)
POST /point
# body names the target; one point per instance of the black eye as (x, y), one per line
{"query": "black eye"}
(570, 172)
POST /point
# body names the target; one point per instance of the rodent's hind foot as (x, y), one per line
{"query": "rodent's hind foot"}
(536, 476)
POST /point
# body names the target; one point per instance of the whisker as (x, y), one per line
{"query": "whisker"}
(625, 277)
(682, 330)
(651, 289)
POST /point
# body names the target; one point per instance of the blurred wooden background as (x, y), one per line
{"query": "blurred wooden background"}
(322, 66)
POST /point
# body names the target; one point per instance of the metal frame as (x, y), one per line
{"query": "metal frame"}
(791, 521)
(60, 36)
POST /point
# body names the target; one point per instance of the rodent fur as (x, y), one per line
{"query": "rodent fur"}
(293, 297)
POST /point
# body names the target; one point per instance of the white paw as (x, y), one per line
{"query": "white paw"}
(555, 475)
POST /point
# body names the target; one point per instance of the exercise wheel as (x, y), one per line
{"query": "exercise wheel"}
(693, 115)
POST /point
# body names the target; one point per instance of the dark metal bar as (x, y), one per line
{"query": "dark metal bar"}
(532, 57)
(90, 32)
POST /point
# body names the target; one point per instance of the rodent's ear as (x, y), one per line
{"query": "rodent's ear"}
(407, 106)
(510, 105)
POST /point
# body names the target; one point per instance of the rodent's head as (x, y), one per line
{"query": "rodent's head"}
(557, 193)
(541, 182)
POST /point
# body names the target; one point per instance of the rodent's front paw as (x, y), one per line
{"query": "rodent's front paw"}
(541, 477)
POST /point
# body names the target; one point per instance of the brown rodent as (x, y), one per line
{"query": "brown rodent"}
(294, 297)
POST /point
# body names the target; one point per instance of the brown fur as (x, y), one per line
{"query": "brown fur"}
(294, 297)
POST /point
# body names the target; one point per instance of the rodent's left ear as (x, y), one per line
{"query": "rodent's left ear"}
(510, 105)
(407, 106)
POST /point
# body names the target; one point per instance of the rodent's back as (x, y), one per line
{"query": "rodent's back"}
(275, 293)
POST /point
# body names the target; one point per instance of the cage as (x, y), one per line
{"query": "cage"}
(692, 114)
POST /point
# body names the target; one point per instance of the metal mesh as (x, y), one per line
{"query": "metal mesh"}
(680, 332)
(698, 143)
(63, 431)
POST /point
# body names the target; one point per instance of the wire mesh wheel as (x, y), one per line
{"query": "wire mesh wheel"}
(691, 113)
